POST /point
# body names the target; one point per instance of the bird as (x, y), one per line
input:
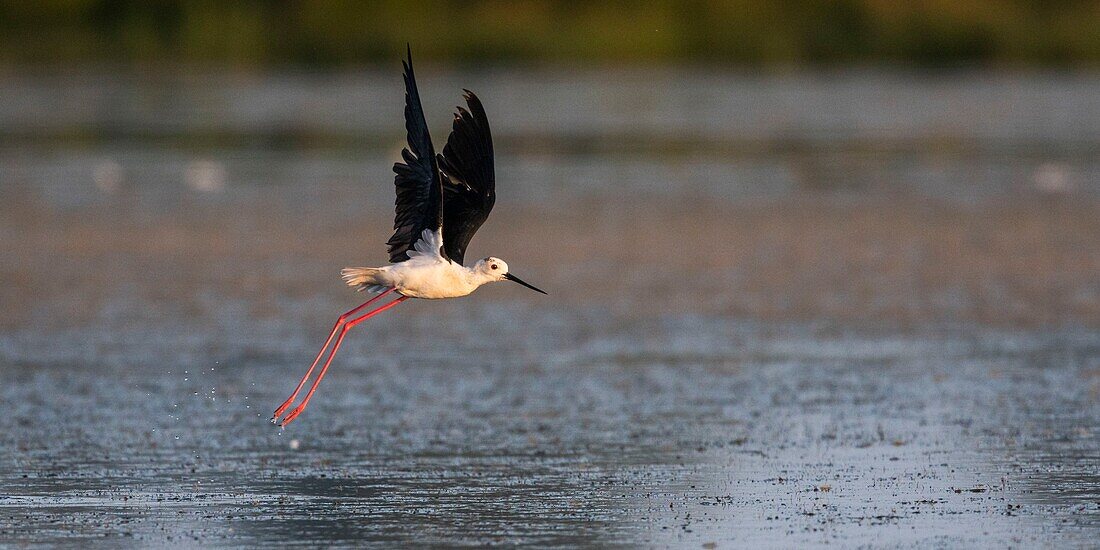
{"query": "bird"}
(442, 200)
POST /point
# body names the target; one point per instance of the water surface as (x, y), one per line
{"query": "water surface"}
(791, 309)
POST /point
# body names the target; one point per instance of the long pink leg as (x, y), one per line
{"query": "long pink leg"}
(339, 322)
(343, 332)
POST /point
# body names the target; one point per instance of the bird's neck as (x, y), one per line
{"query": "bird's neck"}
(478, 278)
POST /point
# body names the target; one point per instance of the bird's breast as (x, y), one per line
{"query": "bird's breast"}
(432, 280)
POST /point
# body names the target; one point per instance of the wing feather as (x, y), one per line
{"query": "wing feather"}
(419, 202)
(469, 177)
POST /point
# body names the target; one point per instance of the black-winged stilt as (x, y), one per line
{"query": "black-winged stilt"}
(441, 202)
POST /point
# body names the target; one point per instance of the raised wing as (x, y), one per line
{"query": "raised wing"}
(469, 179)
(419, 204)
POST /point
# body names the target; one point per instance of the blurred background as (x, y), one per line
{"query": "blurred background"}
(750, 215)
(906, 162)
(745, 33)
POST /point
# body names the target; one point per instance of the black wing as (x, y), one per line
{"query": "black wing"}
(469, 180)
(419, 189)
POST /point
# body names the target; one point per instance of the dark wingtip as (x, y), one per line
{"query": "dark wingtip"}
(474, 102)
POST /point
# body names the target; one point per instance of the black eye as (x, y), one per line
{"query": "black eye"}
(494, 266)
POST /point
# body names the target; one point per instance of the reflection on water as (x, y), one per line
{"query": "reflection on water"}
(805, 308)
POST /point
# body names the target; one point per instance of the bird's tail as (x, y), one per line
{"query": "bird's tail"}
(363, 278)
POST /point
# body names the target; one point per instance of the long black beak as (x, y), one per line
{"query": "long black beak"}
(511, 277)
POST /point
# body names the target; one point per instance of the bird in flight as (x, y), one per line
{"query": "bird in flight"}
(442, 200)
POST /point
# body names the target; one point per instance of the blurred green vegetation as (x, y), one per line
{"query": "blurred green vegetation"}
(732, 32)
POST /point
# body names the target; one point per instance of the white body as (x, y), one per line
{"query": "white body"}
(427, 274)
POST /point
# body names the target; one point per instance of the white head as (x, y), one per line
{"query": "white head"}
(495, 269)
(492, 269)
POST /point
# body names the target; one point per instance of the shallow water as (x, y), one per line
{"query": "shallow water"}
(790, 310)
(673, 430)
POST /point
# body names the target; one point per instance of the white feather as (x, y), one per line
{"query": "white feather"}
(429, 244)
(427, 274)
